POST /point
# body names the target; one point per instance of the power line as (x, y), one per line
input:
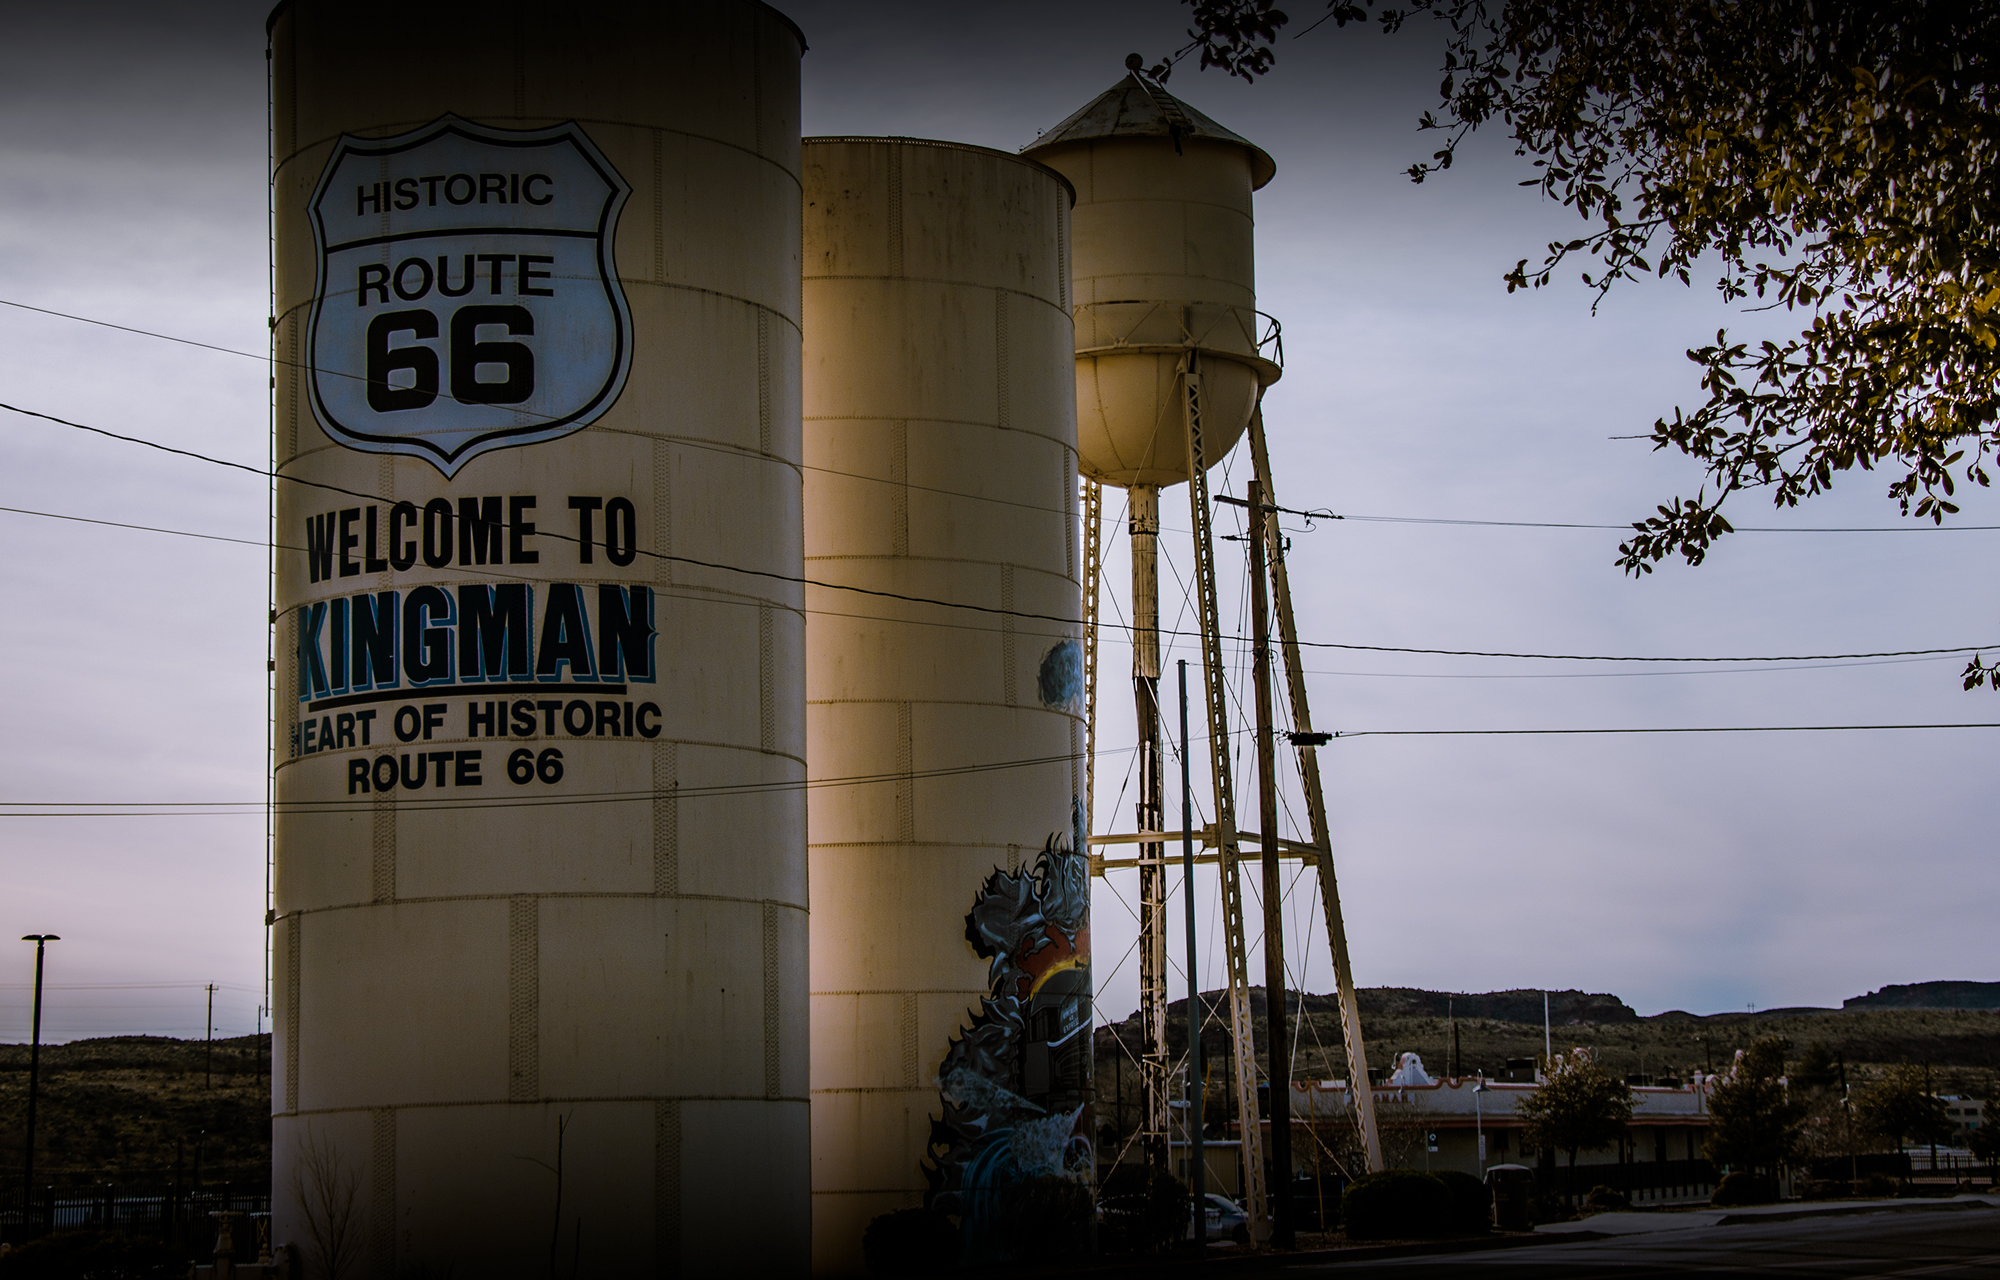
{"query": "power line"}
(452, 804)
(1015, 613)
(1308, 514)
(1755, 728)
(656, 555)
(1630, 528)
(447, 804)
(827, 613)
(1612, 675)
(130, 986)
(148, 528)
(123, 328)
(355, 377)
(1601, 657)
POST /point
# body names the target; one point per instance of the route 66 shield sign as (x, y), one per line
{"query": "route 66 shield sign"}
(467, 299)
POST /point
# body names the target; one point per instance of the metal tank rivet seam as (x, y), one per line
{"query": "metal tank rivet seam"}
(667, 1184)
(910, 991)
(292, 949)
(382, 1192)
(639, 895)
(471, 806)
(553, 1099)
(773, 1022)
(390, 128)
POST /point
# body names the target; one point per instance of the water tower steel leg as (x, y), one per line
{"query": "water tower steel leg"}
(1145, 540)
(1329, 888)
(1240, 1025)
(1093, 577)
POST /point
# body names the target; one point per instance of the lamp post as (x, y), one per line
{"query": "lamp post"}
(41, 941)
(1479, 1124)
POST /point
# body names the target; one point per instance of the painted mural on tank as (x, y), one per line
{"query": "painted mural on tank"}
(1015, 1084)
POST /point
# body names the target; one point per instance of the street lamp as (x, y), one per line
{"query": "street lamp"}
(1479, 1124)
(41, 940)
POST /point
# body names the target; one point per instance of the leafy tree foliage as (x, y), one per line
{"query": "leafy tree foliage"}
(1579, 1107)
(1901, 1108)
(1834, 159)
(1816, 1068)
(1984, 1142)
(1754, 1119)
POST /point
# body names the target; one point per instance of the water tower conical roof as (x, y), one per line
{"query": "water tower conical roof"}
(1136, 107)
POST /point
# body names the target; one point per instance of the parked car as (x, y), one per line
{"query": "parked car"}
(1226, 1220)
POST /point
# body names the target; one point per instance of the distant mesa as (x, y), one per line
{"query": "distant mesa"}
(1929, 995)
(1565, 1008)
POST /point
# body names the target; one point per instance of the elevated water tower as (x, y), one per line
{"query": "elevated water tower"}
(1168, 371)
(1172, 359)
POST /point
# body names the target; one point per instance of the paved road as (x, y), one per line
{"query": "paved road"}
(1954, 1243)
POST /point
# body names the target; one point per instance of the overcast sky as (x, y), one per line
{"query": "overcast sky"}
(1704, 872)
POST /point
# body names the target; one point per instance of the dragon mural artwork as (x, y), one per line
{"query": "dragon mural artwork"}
(1015, 1084)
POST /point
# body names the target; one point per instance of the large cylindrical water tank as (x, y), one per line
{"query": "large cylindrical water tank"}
(1165, 265)
(540, 927)
(950, 926)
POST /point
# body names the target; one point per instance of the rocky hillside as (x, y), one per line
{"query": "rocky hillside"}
(1930, 995)
(130, 1109)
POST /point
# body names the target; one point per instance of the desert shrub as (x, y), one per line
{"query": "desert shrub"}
(1603, 1199)
(1396, 1204)
(910, 1242)
(1823, 1189)
(1042, 1219)
(1743, 1188)
(102, 1255)
(1471, 1202)
(1145, 1210)
(1877, 1184)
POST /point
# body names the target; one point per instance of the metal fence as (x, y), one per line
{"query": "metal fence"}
(178, 1214)
(1955, 1164)
(1645, 1181)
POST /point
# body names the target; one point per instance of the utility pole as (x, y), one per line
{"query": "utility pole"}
(1197, 1147)
(208, 1061)
(1144, 534)
(1451, 1015)
(1280, 1043)
(1307, 743)
(41, 940)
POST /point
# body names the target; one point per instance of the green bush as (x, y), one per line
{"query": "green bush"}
(1877, 1184)
(1743, 1188)
(1397, 1204)
(102, 1255)
(1471, 1202)
(1145, 1210)
(910, 1242)
(1603, 1199)
(1043, 1219)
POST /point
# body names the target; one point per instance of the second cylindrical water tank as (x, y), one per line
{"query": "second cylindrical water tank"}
(950, 896)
